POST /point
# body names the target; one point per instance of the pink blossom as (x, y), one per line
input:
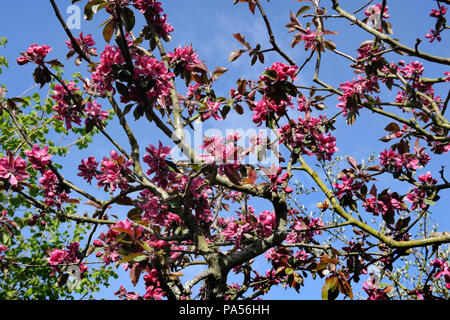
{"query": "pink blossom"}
(51, 185)
(288, 189)
(94, 112)
(103, 75)
(283, 72)
(266, 223)
(66, 256)
(413, 69)
(154, 210)
(443, 271)
(57, 256)
(183, 57)
(211, 111)
(438, 13)
(217, 151)
(3, 249)
(13, 169)
(326, 145)
(350, 100)
(153, 72)
(433, 35)
(114, 172)
(447, 73)
(85, 43)
(385, 203)
(88, 168)
(38, 157)
(152, 286)
(427, 179)
(374, 292)
(311, 38)
(156, 160)
(193, 90)
(146, 5)
(391, 157)
(66, 109)
(416, 197)
(347, 187)
(35, 53)
(261, 111)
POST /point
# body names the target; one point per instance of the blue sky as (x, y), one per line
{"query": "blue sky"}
(208, 26)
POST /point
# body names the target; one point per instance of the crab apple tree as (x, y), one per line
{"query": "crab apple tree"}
(235, 204)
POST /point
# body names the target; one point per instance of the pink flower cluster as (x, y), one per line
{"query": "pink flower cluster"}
(303, 229)
(94, 112)
(219, 150)
(311, 38)
(212, 109)
(385, 203)
(436, 33)
(88, 169)
(283, 73)
(274, 99)
(153, 286)
(276, 179)
(417, 198)
(155, 158)
(307, 136)
(54, 194)
(3, 249)
(427, 179)
(65, 107)
(155, 211)
(413, 69)
(114, 172)
(393, 161)
(374, 291)
(85, 43)
(183, 58)
(38, 157)
(148, 72)
(264, 107)
(237, 229)
(347, 187)
(110, 244)
(66, 256)
(153, 72)
(35, 53)
(153, 10)
(443, 271)
(350, 101)
(13, 169)
(103, 76)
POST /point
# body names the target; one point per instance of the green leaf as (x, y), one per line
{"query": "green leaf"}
(271, 74)
(131, 257)
(108, 31)
(288, 271)
(235, 55)
(122, 89)
(302, 10)
(128, 19)
(93, 7)
(330, 289)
